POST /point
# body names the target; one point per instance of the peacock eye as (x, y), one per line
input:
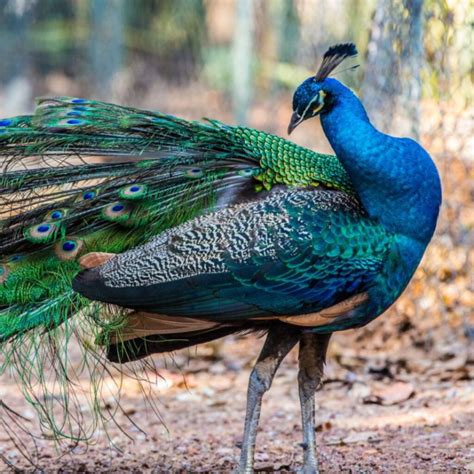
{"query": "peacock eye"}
(79, 101)
(247, 172)
(70, 121)
(88, 195)
(69, 245)
(194, 172)
(55, 215)
(5, 123)
(117, 211)
(68, 249)
(41, 233)
(133, 191)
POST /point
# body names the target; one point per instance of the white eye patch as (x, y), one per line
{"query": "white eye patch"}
(311, 103)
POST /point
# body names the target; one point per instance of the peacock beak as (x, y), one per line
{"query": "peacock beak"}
(296, 119)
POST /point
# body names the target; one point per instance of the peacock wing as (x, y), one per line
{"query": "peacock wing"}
(294, 252)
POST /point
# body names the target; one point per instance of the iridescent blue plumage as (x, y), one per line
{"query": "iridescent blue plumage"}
(395, 179)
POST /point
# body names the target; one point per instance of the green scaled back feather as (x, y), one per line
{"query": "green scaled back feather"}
(82, 176)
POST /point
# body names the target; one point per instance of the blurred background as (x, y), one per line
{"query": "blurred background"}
(239, 61)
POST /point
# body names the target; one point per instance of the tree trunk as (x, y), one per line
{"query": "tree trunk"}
(105, 44)
(242, 59)
(392, 84)
(15, 21)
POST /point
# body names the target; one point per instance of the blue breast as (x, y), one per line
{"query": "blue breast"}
(398, 185)
(395, 177)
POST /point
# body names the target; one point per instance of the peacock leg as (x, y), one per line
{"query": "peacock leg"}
(280, 340)
(311, 368)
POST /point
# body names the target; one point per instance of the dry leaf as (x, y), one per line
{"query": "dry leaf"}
(392, 394)
(355, 437)
(362, 437)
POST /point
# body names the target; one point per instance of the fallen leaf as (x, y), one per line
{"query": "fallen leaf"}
(423, 456)
(323, 426)
(392, 394)
(355, 437)
(362, 437)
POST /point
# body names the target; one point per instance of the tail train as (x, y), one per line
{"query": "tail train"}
(81, 180)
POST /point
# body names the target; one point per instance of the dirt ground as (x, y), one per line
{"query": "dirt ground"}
(400, 412)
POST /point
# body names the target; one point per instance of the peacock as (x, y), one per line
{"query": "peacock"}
(159, 233)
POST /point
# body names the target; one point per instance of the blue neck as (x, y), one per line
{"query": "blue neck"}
(395, 178)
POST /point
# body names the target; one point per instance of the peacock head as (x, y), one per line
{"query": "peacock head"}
(316, 94)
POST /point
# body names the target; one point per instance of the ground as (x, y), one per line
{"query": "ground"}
(377, 412)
